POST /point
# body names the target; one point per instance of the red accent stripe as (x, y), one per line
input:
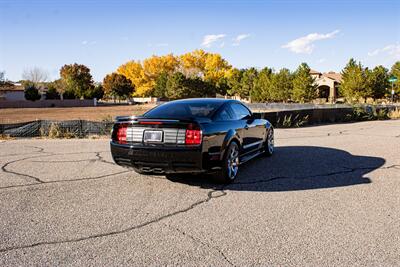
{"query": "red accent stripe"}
(150, 122)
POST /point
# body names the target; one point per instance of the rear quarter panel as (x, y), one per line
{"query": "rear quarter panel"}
(218, 134)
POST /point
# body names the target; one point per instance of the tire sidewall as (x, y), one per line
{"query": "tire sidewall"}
(267, 151)
(225, 173)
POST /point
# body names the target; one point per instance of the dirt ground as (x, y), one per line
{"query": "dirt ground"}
(13, 115)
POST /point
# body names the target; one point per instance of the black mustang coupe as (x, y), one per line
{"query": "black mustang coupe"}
(192, 136)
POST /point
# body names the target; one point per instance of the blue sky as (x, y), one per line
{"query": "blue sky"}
(106, 34)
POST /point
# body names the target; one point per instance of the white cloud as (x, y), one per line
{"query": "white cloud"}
(392, 50)
(321, 60)
(305, 44)
(85, 42)
(208, 40)
(239, 38)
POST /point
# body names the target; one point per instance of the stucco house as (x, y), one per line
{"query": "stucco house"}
(328, 84)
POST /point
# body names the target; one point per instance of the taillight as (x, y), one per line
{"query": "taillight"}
(121, 133)
(193, 136)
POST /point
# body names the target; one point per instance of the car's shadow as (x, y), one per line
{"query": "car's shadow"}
(295, 168)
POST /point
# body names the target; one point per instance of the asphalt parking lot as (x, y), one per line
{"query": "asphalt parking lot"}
(330, 195)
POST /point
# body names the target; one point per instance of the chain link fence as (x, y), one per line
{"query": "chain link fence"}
(282, 118)
(72, 128)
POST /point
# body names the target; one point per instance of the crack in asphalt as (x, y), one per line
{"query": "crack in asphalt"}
(198, 240)
(66, 181)
(4, 166)
(348, 170)
(40, 181)
(210, 196)
(395, 166)
(40, 149)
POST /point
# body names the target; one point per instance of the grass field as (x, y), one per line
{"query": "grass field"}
(13, 115)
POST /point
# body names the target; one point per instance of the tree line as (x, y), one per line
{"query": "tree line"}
(204, 74)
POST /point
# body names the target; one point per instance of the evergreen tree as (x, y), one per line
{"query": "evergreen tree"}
(52, 92)
(160, 88)
(282, 85)
(247, 82)
(353, 84)
(377, 82)
(234, 82)
(32, 93)
(176, 86)
(304, 87)
(395, 72)
(262, 85)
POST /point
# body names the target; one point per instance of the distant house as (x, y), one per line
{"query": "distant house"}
(328, 84)
(12, 91)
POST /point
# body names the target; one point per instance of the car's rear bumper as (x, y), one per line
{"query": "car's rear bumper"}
(158, 160)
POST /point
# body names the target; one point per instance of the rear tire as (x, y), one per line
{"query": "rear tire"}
(269, 143)
(230, 164)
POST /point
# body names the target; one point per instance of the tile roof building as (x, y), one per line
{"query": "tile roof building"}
(328, 84)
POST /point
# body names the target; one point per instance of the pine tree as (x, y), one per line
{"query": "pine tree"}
(377, 82)
(247, 82)
(234, 82)
(160, 89)
(304, 87)
(395, 72)
(354, 80)
(262, 85)
(282, 85)
(32, 93)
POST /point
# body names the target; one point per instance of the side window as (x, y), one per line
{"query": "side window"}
(223, 115)
(240, 111)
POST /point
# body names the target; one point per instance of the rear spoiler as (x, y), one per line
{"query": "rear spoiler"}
(138, 119)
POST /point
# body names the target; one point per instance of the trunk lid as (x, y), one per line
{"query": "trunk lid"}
(155, 132)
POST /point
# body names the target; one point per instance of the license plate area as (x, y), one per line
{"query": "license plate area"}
(152, 136)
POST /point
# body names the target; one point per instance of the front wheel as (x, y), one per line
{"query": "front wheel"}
(230, 164)
(269, 144)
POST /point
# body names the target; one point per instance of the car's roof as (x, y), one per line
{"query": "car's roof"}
(203, 100)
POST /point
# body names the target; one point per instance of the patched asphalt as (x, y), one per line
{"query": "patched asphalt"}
(330, 195)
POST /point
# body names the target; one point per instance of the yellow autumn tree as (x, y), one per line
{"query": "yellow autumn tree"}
(144, 75)
(133, 70)
(216, 68)
(193, 63)
(207, 66)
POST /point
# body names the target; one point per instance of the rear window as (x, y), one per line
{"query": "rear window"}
(183, 110)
